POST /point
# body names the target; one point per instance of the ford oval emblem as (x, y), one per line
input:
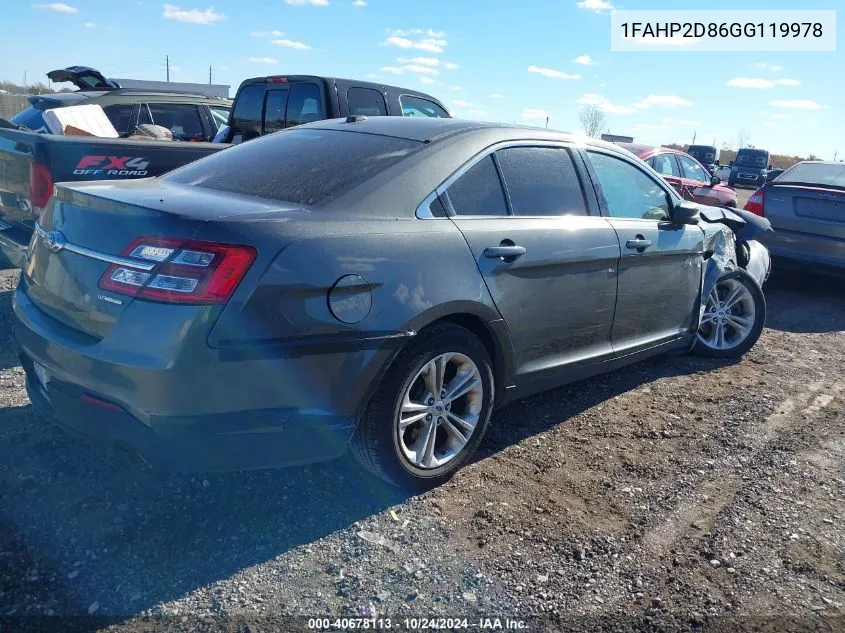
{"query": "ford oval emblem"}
(54, 241)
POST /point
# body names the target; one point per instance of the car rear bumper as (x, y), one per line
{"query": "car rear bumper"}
(806, 251)
(192, 412)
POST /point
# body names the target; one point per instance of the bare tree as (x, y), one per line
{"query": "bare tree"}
(742, 138)
(592, 120)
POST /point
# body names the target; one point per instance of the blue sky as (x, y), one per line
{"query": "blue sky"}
(496, 60)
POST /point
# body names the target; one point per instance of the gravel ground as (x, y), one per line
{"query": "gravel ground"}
(678, 494)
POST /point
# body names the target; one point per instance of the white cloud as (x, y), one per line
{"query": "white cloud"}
(300, 46)
(393, 70)
(585, 60)
(748, 82)
(596, 5)
(266, 33)
(531, 114)
(450, 66)
(496, 95)
(423, 70)
(192, 16)
(464, 104)
(313, 3)
(798, 104)
(478, 113)
(457, 88)
(90, 25)
(771, 124)
(58, 7)
(782, 116)
(774, 69)
(551, 72)
(426, 80)
(604, 104)
(423, 61)
(649, 126)
(663, 101)
(429, 41)
(360, 3)
(263, 60)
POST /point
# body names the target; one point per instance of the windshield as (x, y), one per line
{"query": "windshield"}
(824, 174)
(30, 119)
(702, 153)
(300, 166)
(752, 158)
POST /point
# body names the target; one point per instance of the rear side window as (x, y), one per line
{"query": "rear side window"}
(666, 164)
(304, 167)
(120, 115)
(248, 106)
(541, 181)
(366, 101)
(417, 106)
(305, 104)
(31, 118)
(479, 191)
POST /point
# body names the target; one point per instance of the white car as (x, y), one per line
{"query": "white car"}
(723, 172)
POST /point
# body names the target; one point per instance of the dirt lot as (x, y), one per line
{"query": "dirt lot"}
(679, 494)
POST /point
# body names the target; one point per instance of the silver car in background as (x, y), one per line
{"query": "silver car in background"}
(806, 207)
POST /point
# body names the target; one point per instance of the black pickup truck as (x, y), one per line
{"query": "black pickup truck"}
(30, 164)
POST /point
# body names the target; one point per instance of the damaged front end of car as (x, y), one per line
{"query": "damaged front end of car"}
(731, 243)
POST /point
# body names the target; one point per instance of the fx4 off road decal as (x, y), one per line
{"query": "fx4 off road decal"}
(112, 166)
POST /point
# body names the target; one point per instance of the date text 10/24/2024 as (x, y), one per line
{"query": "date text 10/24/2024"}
(416, 624)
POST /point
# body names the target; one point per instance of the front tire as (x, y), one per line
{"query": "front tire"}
(430, 411)
(734, 316)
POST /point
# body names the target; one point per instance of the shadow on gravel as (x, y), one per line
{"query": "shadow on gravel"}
(94, 525)
(534, 415)
(804, 303)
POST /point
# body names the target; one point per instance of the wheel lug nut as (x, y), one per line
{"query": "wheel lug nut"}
(442, 394)
(430, 401)
(428, 417)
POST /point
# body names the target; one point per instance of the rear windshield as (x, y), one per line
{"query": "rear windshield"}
(753, 158)
(31, 118)
(815, 174)
(304, 167)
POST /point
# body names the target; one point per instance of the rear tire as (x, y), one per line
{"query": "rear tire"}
(733, 319)
(402, 436)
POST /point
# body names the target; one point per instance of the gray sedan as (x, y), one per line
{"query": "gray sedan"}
(377, 284)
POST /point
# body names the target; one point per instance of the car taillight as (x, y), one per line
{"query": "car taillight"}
(755, 203)
(40, 186)
(184, 272)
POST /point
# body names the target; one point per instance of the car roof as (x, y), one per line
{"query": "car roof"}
(639, 149)
(431, 129)
(124, 96)
(356, 84)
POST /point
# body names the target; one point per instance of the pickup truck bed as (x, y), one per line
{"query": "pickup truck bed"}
(30, 165)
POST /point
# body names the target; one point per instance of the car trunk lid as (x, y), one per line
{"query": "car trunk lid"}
(83, 77)
(83, 234)
(806, 209)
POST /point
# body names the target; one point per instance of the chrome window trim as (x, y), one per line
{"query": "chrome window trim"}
(423, 212)
(103, 257)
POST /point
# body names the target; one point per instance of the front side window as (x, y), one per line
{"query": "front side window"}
(667, 165)
(479, 191)
(693, 170)
(366, 102)
(541, 181)
(628, 191)
(220, 115)
(417, 106)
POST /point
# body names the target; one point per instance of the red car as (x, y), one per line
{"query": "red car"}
(685, 174)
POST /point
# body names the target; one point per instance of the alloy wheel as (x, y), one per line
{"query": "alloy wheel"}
(439, 411)
(728, 315)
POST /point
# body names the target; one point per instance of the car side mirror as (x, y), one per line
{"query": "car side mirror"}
(716, 163)
(771, 176)
(731, 164)
(715, 180)
(770, 167)
(685, 213)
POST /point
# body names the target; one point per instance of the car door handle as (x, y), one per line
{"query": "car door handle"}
(504, 252)
(638, 244)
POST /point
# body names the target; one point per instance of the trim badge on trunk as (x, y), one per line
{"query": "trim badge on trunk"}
(54, 241)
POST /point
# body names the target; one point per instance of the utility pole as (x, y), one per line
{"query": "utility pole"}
(167, 64)
(25, 87)
(209, 75)
(547, 122)
(694, 134)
